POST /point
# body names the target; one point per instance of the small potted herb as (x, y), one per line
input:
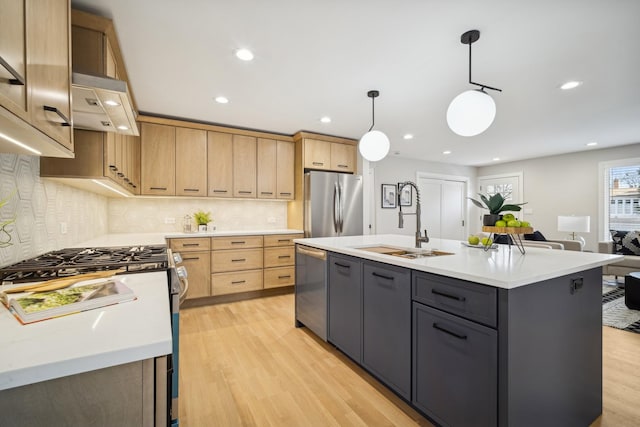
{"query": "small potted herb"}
(495, 204)
(202, 219)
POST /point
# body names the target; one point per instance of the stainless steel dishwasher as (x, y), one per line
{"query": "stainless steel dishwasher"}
(311, 289)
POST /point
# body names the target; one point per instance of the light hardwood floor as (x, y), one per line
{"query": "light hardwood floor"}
(245, 364)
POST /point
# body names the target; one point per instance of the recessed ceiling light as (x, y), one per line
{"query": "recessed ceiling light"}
(325, 119)
(122, 127)
(221, 100)
(495, 159)
(446, 152)
(111, 103)
(570, 85)
(408, 136)
(591, 144)
(244, 54)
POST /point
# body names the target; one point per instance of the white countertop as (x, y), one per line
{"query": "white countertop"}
(129, 239)
(90, 340)
(503, 267)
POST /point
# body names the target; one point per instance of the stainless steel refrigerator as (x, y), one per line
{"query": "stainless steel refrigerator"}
(332, 204)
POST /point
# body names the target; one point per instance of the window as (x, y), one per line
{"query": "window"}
(622, 192)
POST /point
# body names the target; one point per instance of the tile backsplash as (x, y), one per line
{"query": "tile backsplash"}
(144, 215)
(48, 215)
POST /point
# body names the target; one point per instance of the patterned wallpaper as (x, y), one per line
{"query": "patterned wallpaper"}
(42, 208)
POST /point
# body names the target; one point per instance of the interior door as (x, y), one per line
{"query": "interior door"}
(443, 204)
(509, 185)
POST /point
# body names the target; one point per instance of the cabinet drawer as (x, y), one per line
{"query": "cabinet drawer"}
(280, 276)
(466, 299)
(234, 260)
(281, 239)
(279, 257)
(231, 283)
(199, 271)
(236, 242)
(190, 244)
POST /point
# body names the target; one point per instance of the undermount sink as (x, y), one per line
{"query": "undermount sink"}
(405, 253)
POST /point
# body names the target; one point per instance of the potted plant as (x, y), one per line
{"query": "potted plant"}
(495, 204)
(202, 219)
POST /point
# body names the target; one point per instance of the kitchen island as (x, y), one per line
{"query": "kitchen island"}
(471, 337)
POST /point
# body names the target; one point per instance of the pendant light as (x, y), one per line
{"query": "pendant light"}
(473, 111)
(374, 145)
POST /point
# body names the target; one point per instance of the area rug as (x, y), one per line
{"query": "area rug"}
(614, 312)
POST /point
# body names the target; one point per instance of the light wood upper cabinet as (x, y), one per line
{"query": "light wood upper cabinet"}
(220, 164)
(158, 155)
(317, 154)
(343, 157)
(267, 168)
(244, 166)
(191, 162)
(285, 174)
(13, 95)
(49, 68)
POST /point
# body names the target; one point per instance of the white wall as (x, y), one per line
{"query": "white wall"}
(564, 185)
(394, 169)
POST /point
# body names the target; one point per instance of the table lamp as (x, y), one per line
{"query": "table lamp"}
(574, 224)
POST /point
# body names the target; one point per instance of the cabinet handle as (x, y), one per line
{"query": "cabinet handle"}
(244, 192)
(285, 194)
(17, 78)
(219, 191)
(113, 168)
(266, 192)
(284, 277)
(237, 282)
(126, 179)
(238, 242)
(190, 244)
(382, 276)
(446, 331)
(239, 260)
(159, 188)
(191, 189)
(343, 166)
(284, 256)
(191, 259)
(317, 163)
(345, 266)
(59, 113)
(284, 240)
(446, 295)
(120, 174)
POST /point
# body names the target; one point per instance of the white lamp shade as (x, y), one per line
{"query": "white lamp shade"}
(374, 145)
(471, 113)
(574, 224)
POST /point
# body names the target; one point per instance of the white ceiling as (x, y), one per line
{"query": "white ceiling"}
(315, 58)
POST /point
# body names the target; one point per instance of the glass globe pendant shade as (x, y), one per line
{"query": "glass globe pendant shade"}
(374, 145)
(471, 113)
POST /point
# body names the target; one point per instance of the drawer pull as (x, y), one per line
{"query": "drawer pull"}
(120, 174)
(17, 78)
(343, 166)
(382, 276)
(284, 256)
(284, 277)
(238, 242)
(113, 168)
(219, 191)
(192, 189)
(237, 282)
(446, 331)
(190, 244)
(443, 294)
(266, 192)
(343, 265)
(318, 163)
(191, 259)
(239, 260)
(285, 194)
(245, 192)
(65, 121)
(284, 240)
(159, 188)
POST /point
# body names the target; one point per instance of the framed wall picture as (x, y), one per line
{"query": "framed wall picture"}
(406, 195)
(389, 195)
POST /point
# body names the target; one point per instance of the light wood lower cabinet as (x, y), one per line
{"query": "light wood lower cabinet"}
(279, 260)
(236, 260)
(196, 258)
(234, 282)
(280, 276)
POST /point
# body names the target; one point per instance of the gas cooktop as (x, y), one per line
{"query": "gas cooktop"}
(73, 261)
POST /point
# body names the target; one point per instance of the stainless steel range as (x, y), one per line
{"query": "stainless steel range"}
(73, 261)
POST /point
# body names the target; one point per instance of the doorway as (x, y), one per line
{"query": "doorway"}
(509, 185)
(443, 205)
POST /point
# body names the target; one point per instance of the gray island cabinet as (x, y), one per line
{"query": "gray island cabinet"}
(476, 338)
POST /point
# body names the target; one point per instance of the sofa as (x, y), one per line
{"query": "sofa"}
(622, 244)
(536, 239)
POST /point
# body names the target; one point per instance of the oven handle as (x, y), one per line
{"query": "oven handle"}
(184, 283)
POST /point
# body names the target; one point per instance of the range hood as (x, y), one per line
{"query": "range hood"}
(102, 104)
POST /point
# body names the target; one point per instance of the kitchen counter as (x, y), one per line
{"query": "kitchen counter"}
(90, 340)
(503, 267)
(128, 239)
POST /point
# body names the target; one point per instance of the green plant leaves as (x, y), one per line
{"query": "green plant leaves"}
(495, 203)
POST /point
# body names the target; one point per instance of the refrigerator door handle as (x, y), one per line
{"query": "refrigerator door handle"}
(336, 213)
(340, 207)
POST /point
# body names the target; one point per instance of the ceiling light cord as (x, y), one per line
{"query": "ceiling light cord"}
(482, 86)
(373, 94)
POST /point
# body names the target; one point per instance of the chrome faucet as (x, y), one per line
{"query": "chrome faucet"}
(419, 238)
